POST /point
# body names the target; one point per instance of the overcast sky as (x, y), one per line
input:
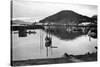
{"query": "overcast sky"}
(35, 11)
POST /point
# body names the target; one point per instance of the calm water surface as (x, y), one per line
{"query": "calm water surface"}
(29, 47)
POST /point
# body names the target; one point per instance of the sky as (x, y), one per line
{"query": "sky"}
(34, 10)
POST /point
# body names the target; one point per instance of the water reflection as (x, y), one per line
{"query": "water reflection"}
(72, 32)
(74, 43)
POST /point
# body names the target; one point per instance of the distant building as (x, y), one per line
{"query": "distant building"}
(84, 23)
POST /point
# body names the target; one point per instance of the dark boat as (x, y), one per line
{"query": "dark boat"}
(93, 33)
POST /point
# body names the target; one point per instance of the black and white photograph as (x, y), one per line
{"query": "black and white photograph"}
(53, 33)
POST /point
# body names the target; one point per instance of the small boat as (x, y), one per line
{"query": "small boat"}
(92, 33)
(31, 32)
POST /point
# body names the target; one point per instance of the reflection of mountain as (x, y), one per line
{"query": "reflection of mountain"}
(65, 35)
(65, 17)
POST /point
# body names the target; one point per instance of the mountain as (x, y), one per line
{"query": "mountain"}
(66, 17)
(20, 22)
(94, 19)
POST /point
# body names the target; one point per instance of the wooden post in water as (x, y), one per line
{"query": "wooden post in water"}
(51, 51)
(47, 51)
(89, 38)
(89, 32)
(41, 41)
